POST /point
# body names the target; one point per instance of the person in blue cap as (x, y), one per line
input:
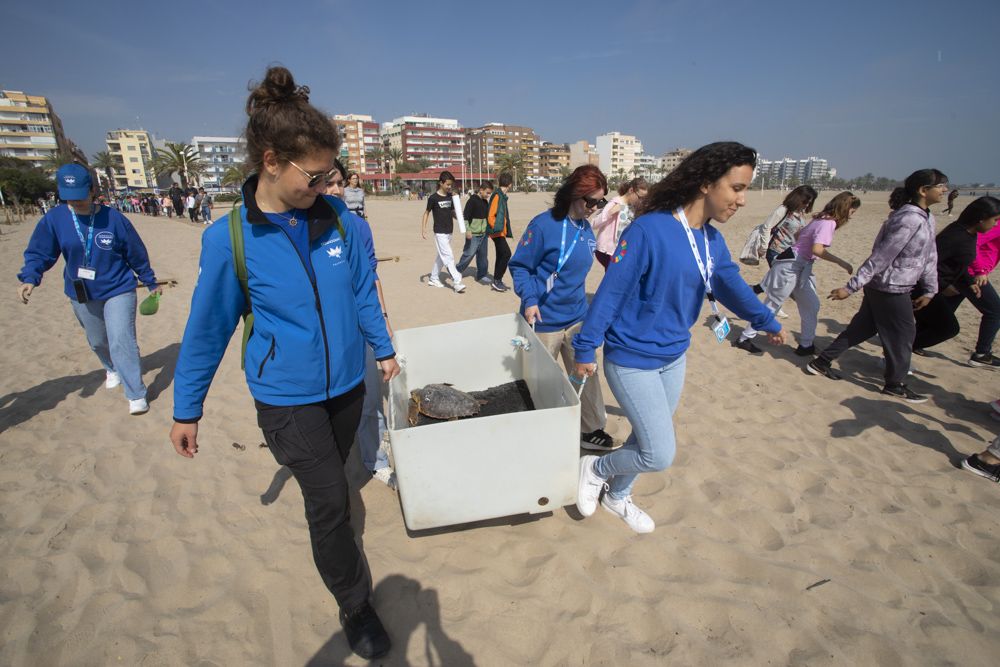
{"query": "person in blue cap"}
(103, 254)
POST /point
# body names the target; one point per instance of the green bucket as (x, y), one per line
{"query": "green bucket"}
(150, 305)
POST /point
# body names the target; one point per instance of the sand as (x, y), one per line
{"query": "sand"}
(804, 522)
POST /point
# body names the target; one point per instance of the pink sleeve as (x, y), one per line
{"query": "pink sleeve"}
(987, 253)
(824, 231)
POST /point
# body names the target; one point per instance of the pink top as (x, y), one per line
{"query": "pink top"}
(606, 227)
(820, 230)
(987, 252)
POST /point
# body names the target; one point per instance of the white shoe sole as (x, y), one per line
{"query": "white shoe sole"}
(643, 531)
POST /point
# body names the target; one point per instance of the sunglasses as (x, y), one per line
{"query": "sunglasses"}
(315, 179)
(595, 203)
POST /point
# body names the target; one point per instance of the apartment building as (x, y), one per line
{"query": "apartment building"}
(618, 153)
(554, 158)
(488, 144)
(671, 159)
(218, 154)
(583, 152)
(359, 135)
(133, 151)
(440, 141)
(808, 170)
(31, 131)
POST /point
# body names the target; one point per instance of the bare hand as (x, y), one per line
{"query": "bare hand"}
(390, 369)
(158, 290)
(423, 234)
(839, 294)
(24, 291)
(976, 290)
(949, 291)
(468, 235)
(922, 301)
(585, 370)
(981, 280)
(532, 314)
(185, 439)
(776, 338)
(847, 267)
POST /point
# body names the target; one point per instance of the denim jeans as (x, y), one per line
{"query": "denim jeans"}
(372, 426)
(478, 248)
(110, 329)
(649, 399)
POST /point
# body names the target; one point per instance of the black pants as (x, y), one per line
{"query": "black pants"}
(891, 317)
(937, 322)
(313, 441)
(503, 256)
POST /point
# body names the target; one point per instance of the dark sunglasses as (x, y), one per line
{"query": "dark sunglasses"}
(315, 179)
(595, 203)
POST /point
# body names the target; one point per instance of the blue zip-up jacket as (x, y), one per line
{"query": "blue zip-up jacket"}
(653, 292)
(308, 337)
(537, 256)
(117, 253)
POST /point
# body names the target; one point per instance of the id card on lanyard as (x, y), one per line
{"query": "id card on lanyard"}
(721, 325)
(85, 272)
(564, 255)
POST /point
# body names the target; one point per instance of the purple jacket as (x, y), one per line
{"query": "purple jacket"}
(903, 255)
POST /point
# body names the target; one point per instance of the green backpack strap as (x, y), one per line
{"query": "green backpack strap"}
(240, 264)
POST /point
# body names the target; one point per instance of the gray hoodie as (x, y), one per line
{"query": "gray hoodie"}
(903, 255)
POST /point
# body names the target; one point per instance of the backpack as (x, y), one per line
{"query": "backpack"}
(240, 264)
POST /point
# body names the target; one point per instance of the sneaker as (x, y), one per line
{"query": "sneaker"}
(112, 380)
(434, 282)
(498, 286)
(782, 314)
(747, 344)
(458, 287)
(598, 441)
(138, 407)
(386, 476)
(920, 352)
(904, 392)
(626, 510)
(590, 486)
(365, 633)
(485, 280)
(976, 465)
(984, 360)
(805, 351)
(819, 367)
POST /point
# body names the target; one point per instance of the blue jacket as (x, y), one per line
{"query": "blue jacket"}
(308, 337)
(117, 253)
(537, 256)
(653, 293)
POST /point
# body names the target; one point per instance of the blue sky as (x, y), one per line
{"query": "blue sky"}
(868, 85)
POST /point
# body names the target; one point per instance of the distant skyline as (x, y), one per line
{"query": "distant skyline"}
(871, 87)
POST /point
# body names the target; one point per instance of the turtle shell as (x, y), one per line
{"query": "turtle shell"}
(442, 401)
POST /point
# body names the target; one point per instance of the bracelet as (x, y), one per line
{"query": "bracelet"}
(385, 314)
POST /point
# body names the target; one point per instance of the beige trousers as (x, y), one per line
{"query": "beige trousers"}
(592, 413)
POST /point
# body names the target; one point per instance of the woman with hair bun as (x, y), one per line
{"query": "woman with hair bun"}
(311, 293)
(616, 216)
(667, 261)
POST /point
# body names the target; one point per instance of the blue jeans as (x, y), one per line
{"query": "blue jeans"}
(478, 248)
(372, 426)
(649, 399)
(206, 214)
(110, 329)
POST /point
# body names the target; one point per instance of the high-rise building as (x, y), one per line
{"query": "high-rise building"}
(554, 158)
(618, 153)
(809, 170)
(583, 152)
(440, 141)
(31, 131)
(134, 152)
(218, 154)
(359, 135)
(488, 144)
(671, 159)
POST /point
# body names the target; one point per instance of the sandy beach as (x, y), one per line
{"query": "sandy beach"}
(804, 522)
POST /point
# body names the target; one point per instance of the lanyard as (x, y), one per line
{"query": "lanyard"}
(563, 254)
(706, 273)
(89, 243)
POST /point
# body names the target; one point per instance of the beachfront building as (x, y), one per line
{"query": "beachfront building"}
(359, 136)
(218, 154)
(554, 159)
(647, 166)
(31, 131)
(786, 170)
(439, 141)
(583, 152)
(618, 153)
(671, 159)
(487, 146)
(133, 150)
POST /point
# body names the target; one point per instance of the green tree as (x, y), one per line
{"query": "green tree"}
(395, 156)
(181, 159)
(512, 162)
(234, 175)
(55, 160)
(377, 154)
(22, 182)
(107, 163)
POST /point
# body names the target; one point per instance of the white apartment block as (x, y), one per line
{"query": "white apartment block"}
(618, 153)
(218, 154)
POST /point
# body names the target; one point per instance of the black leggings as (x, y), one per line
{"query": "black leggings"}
(503, 256)
(937, 322)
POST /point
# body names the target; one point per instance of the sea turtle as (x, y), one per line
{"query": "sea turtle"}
(441, 401)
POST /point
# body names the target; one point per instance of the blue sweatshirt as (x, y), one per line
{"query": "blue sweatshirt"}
(308, 336)
(117, 253)
(653, 292)
(537, 256)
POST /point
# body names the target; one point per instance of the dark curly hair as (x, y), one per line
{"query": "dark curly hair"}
(897, 197)
(703, 167)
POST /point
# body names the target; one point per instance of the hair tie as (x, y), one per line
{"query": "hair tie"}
(303, 92)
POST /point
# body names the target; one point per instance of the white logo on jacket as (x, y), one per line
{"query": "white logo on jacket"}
(335, 252)
(105, 240)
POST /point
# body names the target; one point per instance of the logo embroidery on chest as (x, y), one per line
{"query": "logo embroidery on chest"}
(335, 252)
(105, 240)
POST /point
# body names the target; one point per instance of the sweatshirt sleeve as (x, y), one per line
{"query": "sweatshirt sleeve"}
(895, 234)
(777, 215)
(136, 255)
(524, 263)
(41, 254)
(469, 211)
(734, 293)
(627, 266)
(366, 296)
(216, 306)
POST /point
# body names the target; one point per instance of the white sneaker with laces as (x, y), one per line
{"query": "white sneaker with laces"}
(782, 314)
(386, 476)
(112, 380)
(138, 407)
(626, 510)
(459, 287)
(589, 486)
(434, 282)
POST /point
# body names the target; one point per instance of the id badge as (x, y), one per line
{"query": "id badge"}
(721, 328)
(86, 273)
(550, 282)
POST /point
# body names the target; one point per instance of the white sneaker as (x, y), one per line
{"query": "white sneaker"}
(589, 487)
(434, 282)
(386, 476)
(626, 510)
(138, 407)
(782, 314)
(112, 380)
(458, 287)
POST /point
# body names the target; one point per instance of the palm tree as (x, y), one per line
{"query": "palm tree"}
(235, 174)
(181, 159)
(55, 160)
(511, 162)
(376, 155)
(104, 160)
(395, 155)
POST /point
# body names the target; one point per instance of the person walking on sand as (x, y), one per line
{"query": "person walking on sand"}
(667, 262)
(498, 229)
(314, 309)
(207, 204)
(549, 269)
(616, 216)
(952, 196)
(899, 277)
(441, 205)
(354, 195)
(103, 255)
(476, 211)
